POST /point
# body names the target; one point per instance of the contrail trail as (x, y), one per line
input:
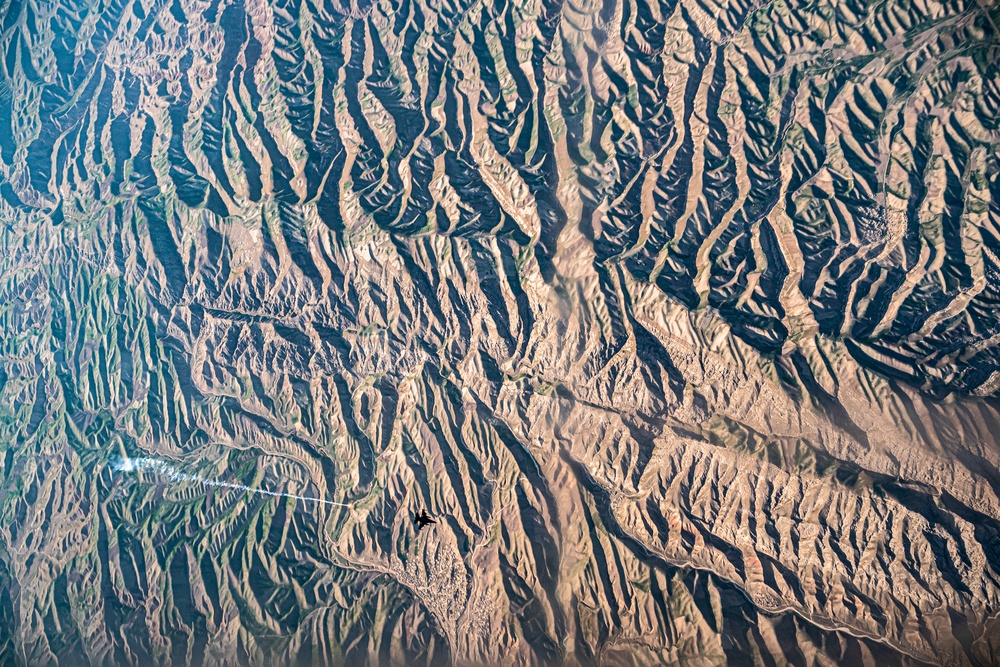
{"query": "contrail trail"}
(169, 472)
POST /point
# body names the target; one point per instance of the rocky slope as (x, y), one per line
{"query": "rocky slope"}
(680, 316)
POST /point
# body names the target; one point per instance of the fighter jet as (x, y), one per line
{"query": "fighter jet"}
(422, 520)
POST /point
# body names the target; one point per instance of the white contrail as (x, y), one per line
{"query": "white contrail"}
(167, 471)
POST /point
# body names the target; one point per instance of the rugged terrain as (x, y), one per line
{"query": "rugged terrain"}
(683, 318)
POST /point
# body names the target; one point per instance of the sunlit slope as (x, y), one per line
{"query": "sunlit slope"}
(680, 318)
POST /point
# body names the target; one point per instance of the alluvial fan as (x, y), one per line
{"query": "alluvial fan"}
(681, 319)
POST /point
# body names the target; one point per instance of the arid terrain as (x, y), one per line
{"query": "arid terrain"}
(682, 319)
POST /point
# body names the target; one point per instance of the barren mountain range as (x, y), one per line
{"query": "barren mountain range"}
(682, 319)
